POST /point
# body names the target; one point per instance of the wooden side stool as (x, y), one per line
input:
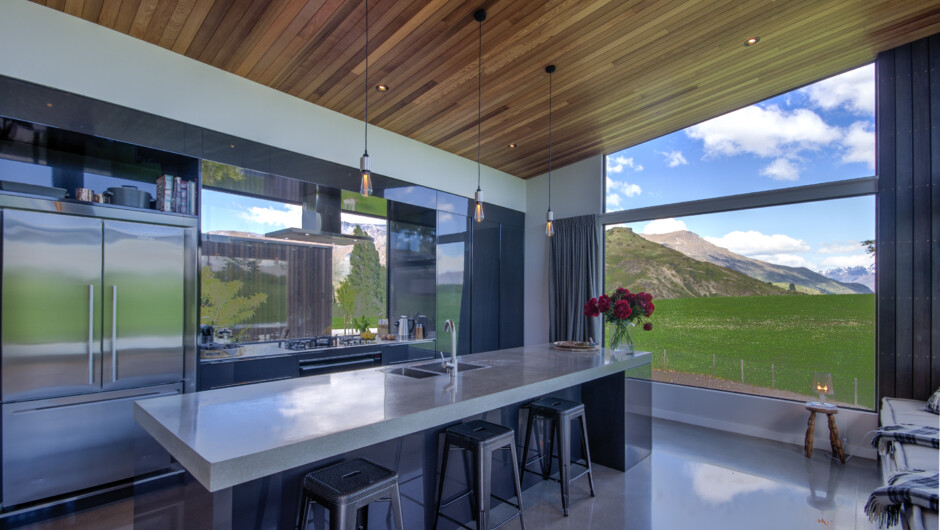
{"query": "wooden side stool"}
(830, 411)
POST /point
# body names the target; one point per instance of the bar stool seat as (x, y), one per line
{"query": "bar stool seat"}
(481, 439)
(346, 487)
(560, 413)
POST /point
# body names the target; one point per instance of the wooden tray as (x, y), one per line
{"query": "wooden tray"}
(591, 349)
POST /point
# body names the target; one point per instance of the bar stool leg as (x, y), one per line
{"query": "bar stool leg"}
(586, 453)
(305, 510)
(549, 450)
(518, 482)
(564, 459)
(483, 471)
(396, 508)
(440, 485)
(468, 476)
(340, 518)
(525, 446)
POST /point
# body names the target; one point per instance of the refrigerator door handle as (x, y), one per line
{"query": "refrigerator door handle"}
(114, 351)
(91, 334)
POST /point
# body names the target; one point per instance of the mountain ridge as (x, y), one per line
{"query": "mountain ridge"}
(641, 265)
(804, 280)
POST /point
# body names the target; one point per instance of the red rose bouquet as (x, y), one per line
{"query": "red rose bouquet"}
(622, 310)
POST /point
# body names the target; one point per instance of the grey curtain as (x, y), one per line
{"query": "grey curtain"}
(573, 278)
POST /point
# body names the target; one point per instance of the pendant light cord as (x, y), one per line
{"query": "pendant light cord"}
(367, 80)
(549, 141)
(479, 99)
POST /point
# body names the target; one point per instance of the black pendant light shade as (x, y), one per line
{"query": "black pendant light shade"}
(479, 16)
(365, 168)
(549, 215)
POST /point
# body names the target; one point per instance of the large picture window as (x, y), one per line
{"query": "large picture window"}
(755, 233)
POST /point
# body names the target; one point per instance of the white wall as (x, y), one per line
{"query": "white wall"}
(50, 48)
(576, 190)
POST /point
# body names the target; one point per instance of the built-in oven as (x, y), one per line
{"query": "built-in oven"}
(344, 363)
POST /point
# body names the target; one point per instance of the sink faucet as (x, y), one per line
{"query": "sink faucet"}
(450, 327)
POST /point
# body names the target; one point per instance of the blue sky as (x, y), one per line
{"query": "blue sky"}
(821, 133)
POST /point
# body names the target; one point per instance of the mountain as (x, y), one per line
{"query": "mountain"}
(862, 275)
(642, 265)
(804, 280)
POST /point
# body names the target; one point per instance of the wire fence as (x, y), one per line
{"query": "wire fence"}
(777, 378)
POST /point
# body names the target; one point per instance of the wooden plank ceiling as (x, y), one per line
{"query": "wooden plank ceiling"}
(628, 71)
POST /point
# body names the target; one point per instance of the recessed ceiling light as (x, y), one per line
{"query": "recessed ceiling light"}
(232, 146)
(511, 146)
(381, 88)
(49, 105)
(752, 41)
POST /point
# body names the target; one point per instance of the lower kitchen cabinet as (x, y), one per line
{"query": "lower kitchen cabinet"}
(231, 373)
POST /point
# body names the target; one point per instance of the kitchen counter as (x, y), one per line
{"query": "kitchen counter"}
(230, 436)
(271, 349)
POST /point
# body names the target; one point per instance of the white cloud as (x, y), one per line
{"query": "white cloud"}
(290, 216)
(854, 90)
(790, 260)
(674, 158)
(781, 169)
(859, 143)
(855, 260)
(753, 243)
(719, 485)
(840, 247)
(618, 189)
(764, 132)
(613, 200)
(616, 164)
(663, 226)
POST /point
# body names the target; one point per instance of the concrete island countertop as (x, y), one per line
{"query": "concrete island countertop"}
(229, 436)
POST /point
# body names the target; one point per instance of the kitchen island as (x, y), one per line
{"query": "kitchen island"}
(243, 436)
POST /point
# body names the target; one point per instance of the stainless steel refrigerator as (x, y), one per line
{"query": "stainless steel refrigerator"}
(92, 320)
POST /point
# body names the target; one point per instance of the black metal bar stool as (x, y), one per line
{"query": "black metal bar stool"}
(560, 413)
(345, 488)
(481, 439)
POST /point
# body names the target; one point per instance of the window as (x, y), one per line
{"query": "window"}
(824, 132)
(266, 284)
(757, 247)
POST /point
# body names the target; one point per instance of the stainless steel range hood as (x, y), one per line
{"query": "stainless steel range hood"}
(321, 221)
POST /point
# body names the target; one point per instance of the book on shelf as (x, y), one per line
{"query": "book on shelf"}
(176, 195)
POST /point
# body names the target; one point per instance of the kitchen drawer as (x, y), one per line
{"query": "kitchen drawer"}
(231, 373)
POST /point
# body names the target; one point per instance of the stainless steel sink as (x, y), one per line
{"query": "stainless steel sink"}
(439, 368)
(434, 369)
(411, 372)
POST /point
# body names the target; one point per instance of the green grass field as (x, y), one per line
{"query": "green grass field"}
(797, 334)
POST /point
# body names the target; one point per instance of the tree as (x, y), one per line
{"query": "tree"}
(221, 303)
(869, 245)
(362, 292)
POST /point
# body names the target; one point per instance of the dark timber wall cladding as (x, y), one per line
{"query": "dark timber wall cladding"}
(908, 248)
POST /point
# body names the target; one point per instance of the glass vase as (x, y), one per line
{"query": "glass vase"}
(621, 338)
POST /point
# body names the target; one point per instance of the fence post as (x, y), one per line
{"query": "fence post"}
(742, 370)
(856, 391)
(773, 376)
(714, 365)
(664, 358)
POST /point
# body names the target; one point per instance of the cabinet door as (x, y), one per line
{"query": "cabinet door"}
(51, 310)
(511, 287)
(143, 306)
(485, 308)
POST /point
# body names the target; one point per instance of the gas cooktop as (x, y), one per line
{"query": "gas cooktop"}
(312, 343)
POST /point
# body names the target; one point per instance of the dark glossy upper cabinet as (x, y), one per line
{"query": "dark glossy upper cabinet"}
(511, 286)
(485, 307)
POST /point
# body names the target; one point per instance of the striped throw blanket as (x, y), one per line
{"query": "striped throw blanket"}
(904, 488)
(926, 435)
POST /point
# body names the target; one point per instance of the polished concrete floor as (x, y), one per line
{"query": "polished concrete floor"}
(696, 478)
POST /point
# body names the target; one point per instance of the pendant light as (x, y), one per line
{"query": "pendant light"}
(479, 16)
(549, 215)
(365, 168)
